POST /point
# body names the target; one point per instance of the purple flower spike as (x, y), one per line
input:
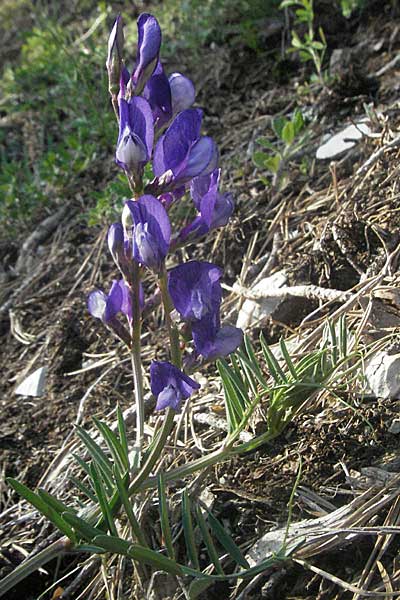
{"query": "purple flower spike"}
(170, 385)
(136, 135)
(158, 93)
(182, 92)
(114, 55)
(147, 224)
(181, 153)
(149, 42)
(195, 289)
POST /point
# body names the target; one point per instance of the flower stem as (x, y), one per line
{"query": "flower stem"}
(176, 355)
(136, 360)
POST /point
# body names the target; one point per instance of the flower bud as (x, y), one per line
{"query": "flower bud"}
(114, 56)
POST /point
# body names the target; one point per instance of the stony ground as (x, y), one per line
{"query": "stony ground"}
(333, 226)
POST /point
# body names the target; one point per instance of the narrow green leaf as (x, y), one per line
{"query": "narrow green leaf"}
(155, 559)
(83, 488)
(273, 365)
(209, 544)
(188, 530)
(113, 543)
(113, 444)
(254, 362)
(163, 509)
(97, 454)
(226, 541)
(334, 342)
(55, 504)
(43, 507)
(248, 376)
(343, 336)
(232, 398)
(84, 529)
(287, 358)
(82, 463)
(122, 433)
(102, 499)
(122, 489)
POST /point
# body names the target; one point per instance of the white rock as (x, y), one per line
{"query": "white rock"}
(394, 427)
(34, 384)
(342, 141)
(382, 373)
(252, 310)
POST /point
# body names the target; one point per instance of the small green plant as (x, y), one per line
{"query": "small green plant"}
(277, 155)
(348, 7)
(308, 47)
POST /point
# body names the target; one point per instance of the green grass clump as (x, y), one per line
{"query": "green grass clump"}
(58, 122)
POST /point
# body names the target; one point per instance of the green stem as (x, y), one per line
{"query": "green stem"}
(154, 454)
(136, 359)
(176, 355)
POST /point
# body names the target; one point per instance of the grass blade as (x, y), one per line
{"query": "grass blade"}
(163, 509)
(102, 499)
(254, 362)
(287, 358)
(226, 541)
(55, 504)
(83, 488)
(43, 507)
(97, 454)
(272, 364)
(209, 544)
(122, 434)
(113, 444)
(84, 529)
(188, 530)
(122, 489)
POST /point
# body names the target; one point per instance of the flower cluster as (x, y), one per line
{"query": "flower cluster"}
(158, 124)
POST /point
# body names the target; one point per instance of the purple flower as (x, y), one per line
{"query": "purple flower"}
(211, 340)
(215, 209)
(103, 306)
(119, 249)
(106, 307)
(114, 55)
(158, 93)
(149, 42)
(195, 289)
(196, 293)
(148, 229)
(182, 92)
(170, 385)
(136, 135)
(181, 153)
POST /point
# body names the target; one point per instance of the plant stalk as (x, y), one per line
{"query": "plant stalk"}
(137, 360)
(176, 355)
